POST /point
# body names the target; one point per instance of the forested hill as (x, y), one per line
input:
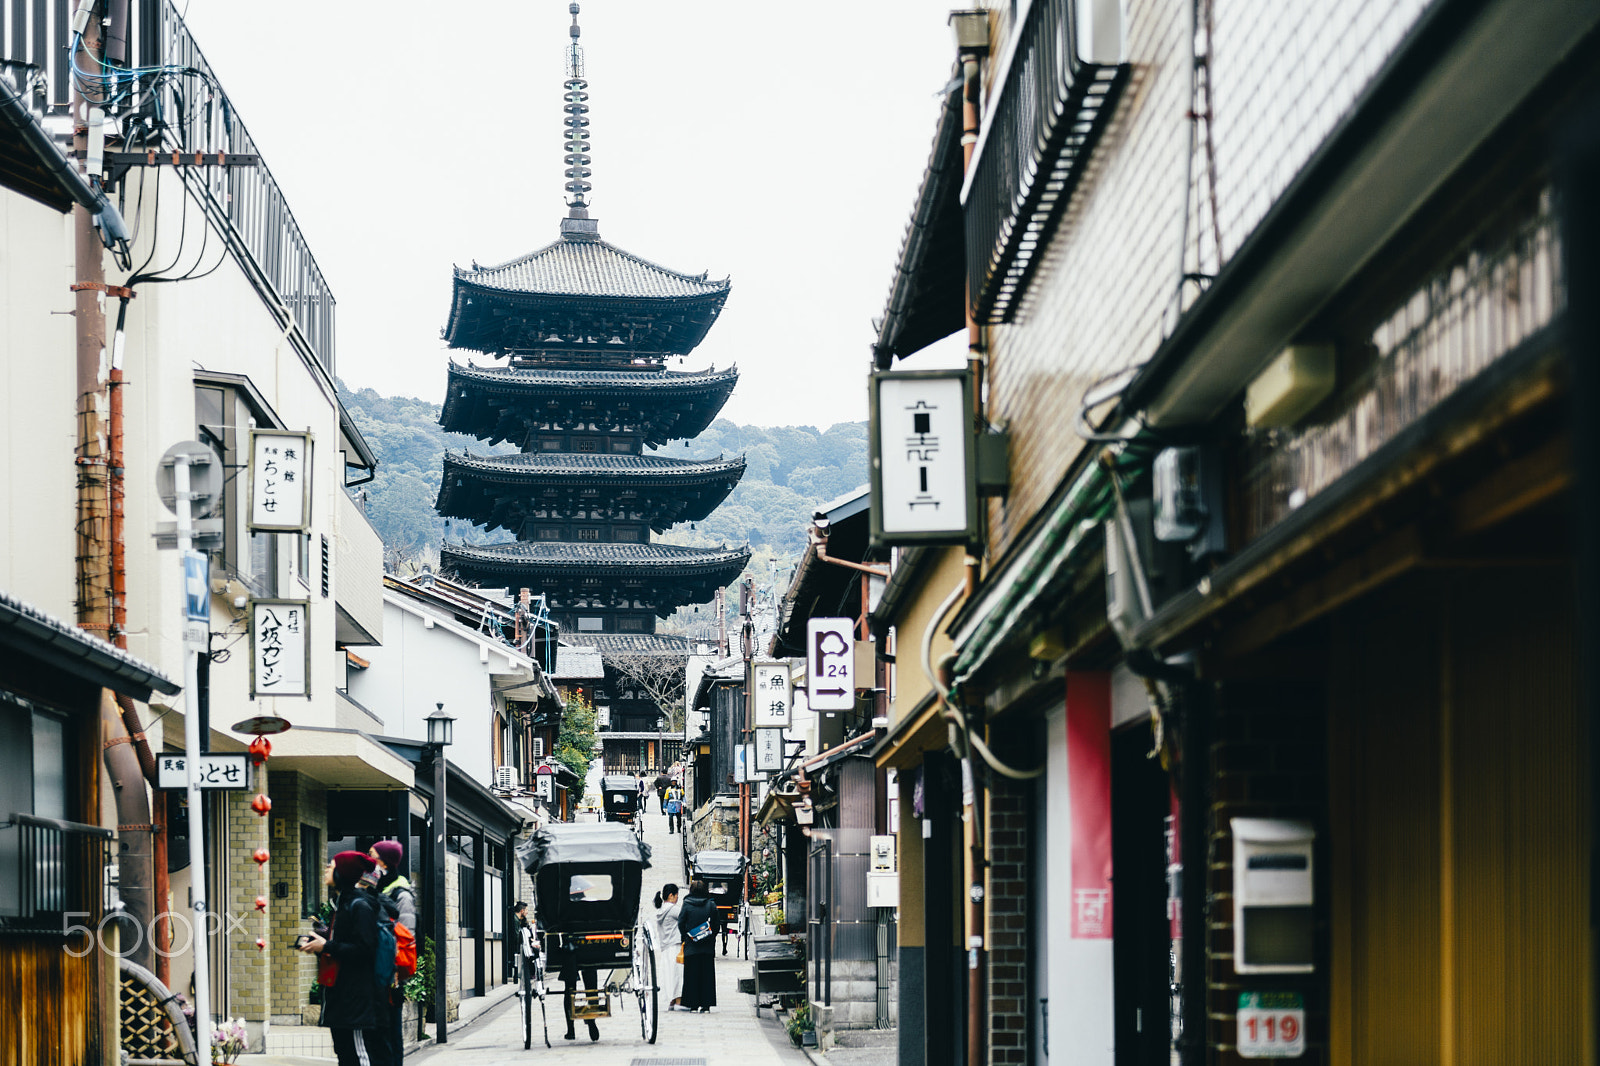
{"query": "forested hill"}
(789, 471)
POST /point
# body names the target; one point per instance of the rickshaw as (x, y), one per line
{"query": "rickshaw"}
(724, 875)
(587, 880)
(620, 800)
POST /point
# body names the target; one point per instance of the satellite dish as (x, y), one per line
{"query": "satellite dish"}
(205, 478)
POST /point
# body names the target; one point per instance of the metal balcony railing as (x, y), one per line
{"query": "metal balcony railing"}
(49, 869)
(187, 113)
(1051, 111)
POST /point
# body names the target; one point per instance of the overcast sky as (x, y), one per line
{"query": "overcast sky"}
(779, 144)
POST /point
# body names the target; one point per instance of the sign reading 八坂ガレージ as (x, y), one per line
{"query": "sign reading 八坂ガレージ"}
(280, 480)
(280, 654)
(1272, 1025)
(830, 664)
(924, 478)
(771, 688)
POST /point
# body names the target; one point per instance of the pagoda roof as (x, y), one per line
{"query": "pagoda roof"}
(571, 267)
(693, 570)
(560, 296)
(494, 402)
(633, 644)
(494, 489)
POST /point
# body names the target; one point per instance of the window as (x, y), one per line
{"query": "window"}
(630, 625)
(224, 412)
(549, 533)
(589, 888)
(33, 780)
(549, 444)
(310, 871)
(591, 625)
(302, 560)
(588, 444)
(627, 536)
(589, 533)
(623, 447)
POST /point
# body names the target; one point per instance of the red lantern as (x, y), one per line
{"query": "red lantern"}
(260, 748)
(261, 804)
(261, 903)
(261, 945)
(261, 855)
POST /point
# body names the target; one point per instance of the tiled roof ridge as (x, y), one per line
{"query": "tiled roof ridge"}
(578, 553)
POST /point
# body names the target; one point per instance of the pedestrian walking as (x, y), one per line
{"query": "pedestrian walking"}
(662, 783)
(644, 795)
(669, 945)
(394, 886)
(673, 805)
(696, 923)
(354, 1007)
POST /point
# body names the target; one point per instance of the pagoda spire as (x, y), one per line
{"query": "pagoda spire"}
(576, 106)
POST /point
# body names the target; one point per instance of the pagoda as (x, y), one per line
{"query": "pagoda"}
(580, 333)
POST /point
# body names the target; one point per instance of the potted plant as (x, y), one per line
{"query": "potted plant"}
(228, 1041)
(419, 989)
(802, 1030)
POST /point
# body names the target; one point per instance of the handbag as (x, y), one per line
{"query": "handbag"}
(680, 954)
(699, 932)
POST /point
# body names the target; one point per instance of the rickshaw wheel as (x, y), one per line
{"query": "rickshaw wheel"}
(644, 986)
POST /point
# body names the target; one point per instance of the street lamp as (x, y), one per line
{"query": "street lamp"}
(441, 730)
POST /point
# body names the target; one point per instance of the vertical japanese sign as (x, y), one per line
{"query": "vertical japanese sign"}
(280, 480)
(1089, 796)
(280, 648)
(924, 477)
(830, 664)
(196, 601)
(769, 750)
(771, 689)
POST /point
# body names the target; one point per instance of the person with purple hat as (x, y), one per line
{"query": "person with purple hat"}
(354, 1006)
(395, 888)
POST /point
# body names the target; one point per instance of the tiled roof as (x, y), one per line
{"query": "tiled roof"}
(634, 644)
(577, 663)
(587, 466)
(602, 555)
(589, 268)
(27, 630)
(654, 380)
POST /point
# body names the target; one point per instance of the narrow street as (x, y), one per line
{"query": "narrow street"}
(730, 1034)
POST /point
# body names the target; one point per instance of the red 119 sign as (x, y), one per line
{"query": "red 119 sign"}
(1272, 1025)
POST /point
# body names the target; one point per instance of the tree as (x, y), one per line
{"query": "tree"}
(575, 741)
(659, 676)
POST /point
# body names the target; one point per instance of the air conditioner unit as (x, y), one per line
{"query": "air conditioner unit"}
(537, 747)
(505, 777)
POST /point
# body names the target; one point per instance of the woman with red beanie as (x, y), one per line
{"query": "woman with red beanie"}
(354, 1007)
(396, 890)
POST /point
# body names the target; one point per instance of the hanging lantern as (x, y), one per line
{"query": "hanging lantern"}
(261, 944)
(261, 855)
(260, 748)
(261, 804)
(261, 903)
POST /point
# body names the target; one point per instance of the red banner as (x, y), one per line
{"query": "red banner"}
(1089, 799)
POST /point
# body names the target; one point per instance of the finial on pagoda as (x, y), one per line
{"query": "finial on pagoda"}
(577, 226)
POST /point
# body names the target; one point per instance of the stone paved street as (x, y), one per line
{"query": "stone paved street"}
(731, 1035)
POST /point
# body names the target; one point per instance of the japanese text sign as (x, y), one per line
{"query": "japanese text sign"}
(924, 477)
(213, 771)
(280, 652)
(831, 664)
(770, 689)
(280, 480)
(769, 750)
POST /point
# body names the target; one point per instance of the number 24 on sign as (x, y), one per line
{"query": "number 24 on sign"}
(1272, 1025)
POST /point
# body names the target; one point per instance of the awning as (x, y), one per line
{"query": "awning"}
(915, 734)
(27, 631)
(928, 293)
(346, 758)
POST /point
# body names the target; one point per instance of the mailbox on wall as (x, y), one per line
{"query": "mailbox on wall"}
(1273, 895)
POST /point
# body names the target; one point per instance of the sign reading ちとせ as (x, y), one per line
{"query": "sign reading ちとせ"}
(280, 480)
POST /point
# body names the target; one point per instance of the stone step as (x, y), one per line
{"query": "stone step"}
(865, 1038)
(299, 1040)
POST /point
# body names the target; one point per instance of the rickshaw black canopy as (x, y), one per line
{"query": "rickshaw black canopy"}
(587, 878)
(710, 864)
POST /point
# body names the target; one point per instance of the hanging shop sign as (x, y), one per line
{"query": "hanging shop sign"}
(280, 480)
(831, 664)
(924, 469)
(280, 648)
(227, 771)
(769, 750)
(770, 686)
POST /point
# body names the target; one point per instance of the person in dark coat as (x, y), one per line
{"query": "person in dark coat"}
(394, 886)
(354, 1007)
(699, 916)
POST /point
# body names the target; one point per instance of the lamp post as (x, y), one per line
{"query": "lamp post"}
(441, 729)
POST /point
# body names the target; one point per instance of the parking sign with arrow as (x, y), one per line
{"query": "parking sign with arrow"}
(831, 663)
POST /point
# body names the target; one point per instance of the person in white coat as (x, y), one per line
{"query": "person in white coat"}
(669, 971)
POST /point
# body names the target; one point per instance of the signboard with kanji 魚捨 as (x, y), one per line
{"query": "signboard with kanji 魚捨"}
(280, 480)
(770, 694)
